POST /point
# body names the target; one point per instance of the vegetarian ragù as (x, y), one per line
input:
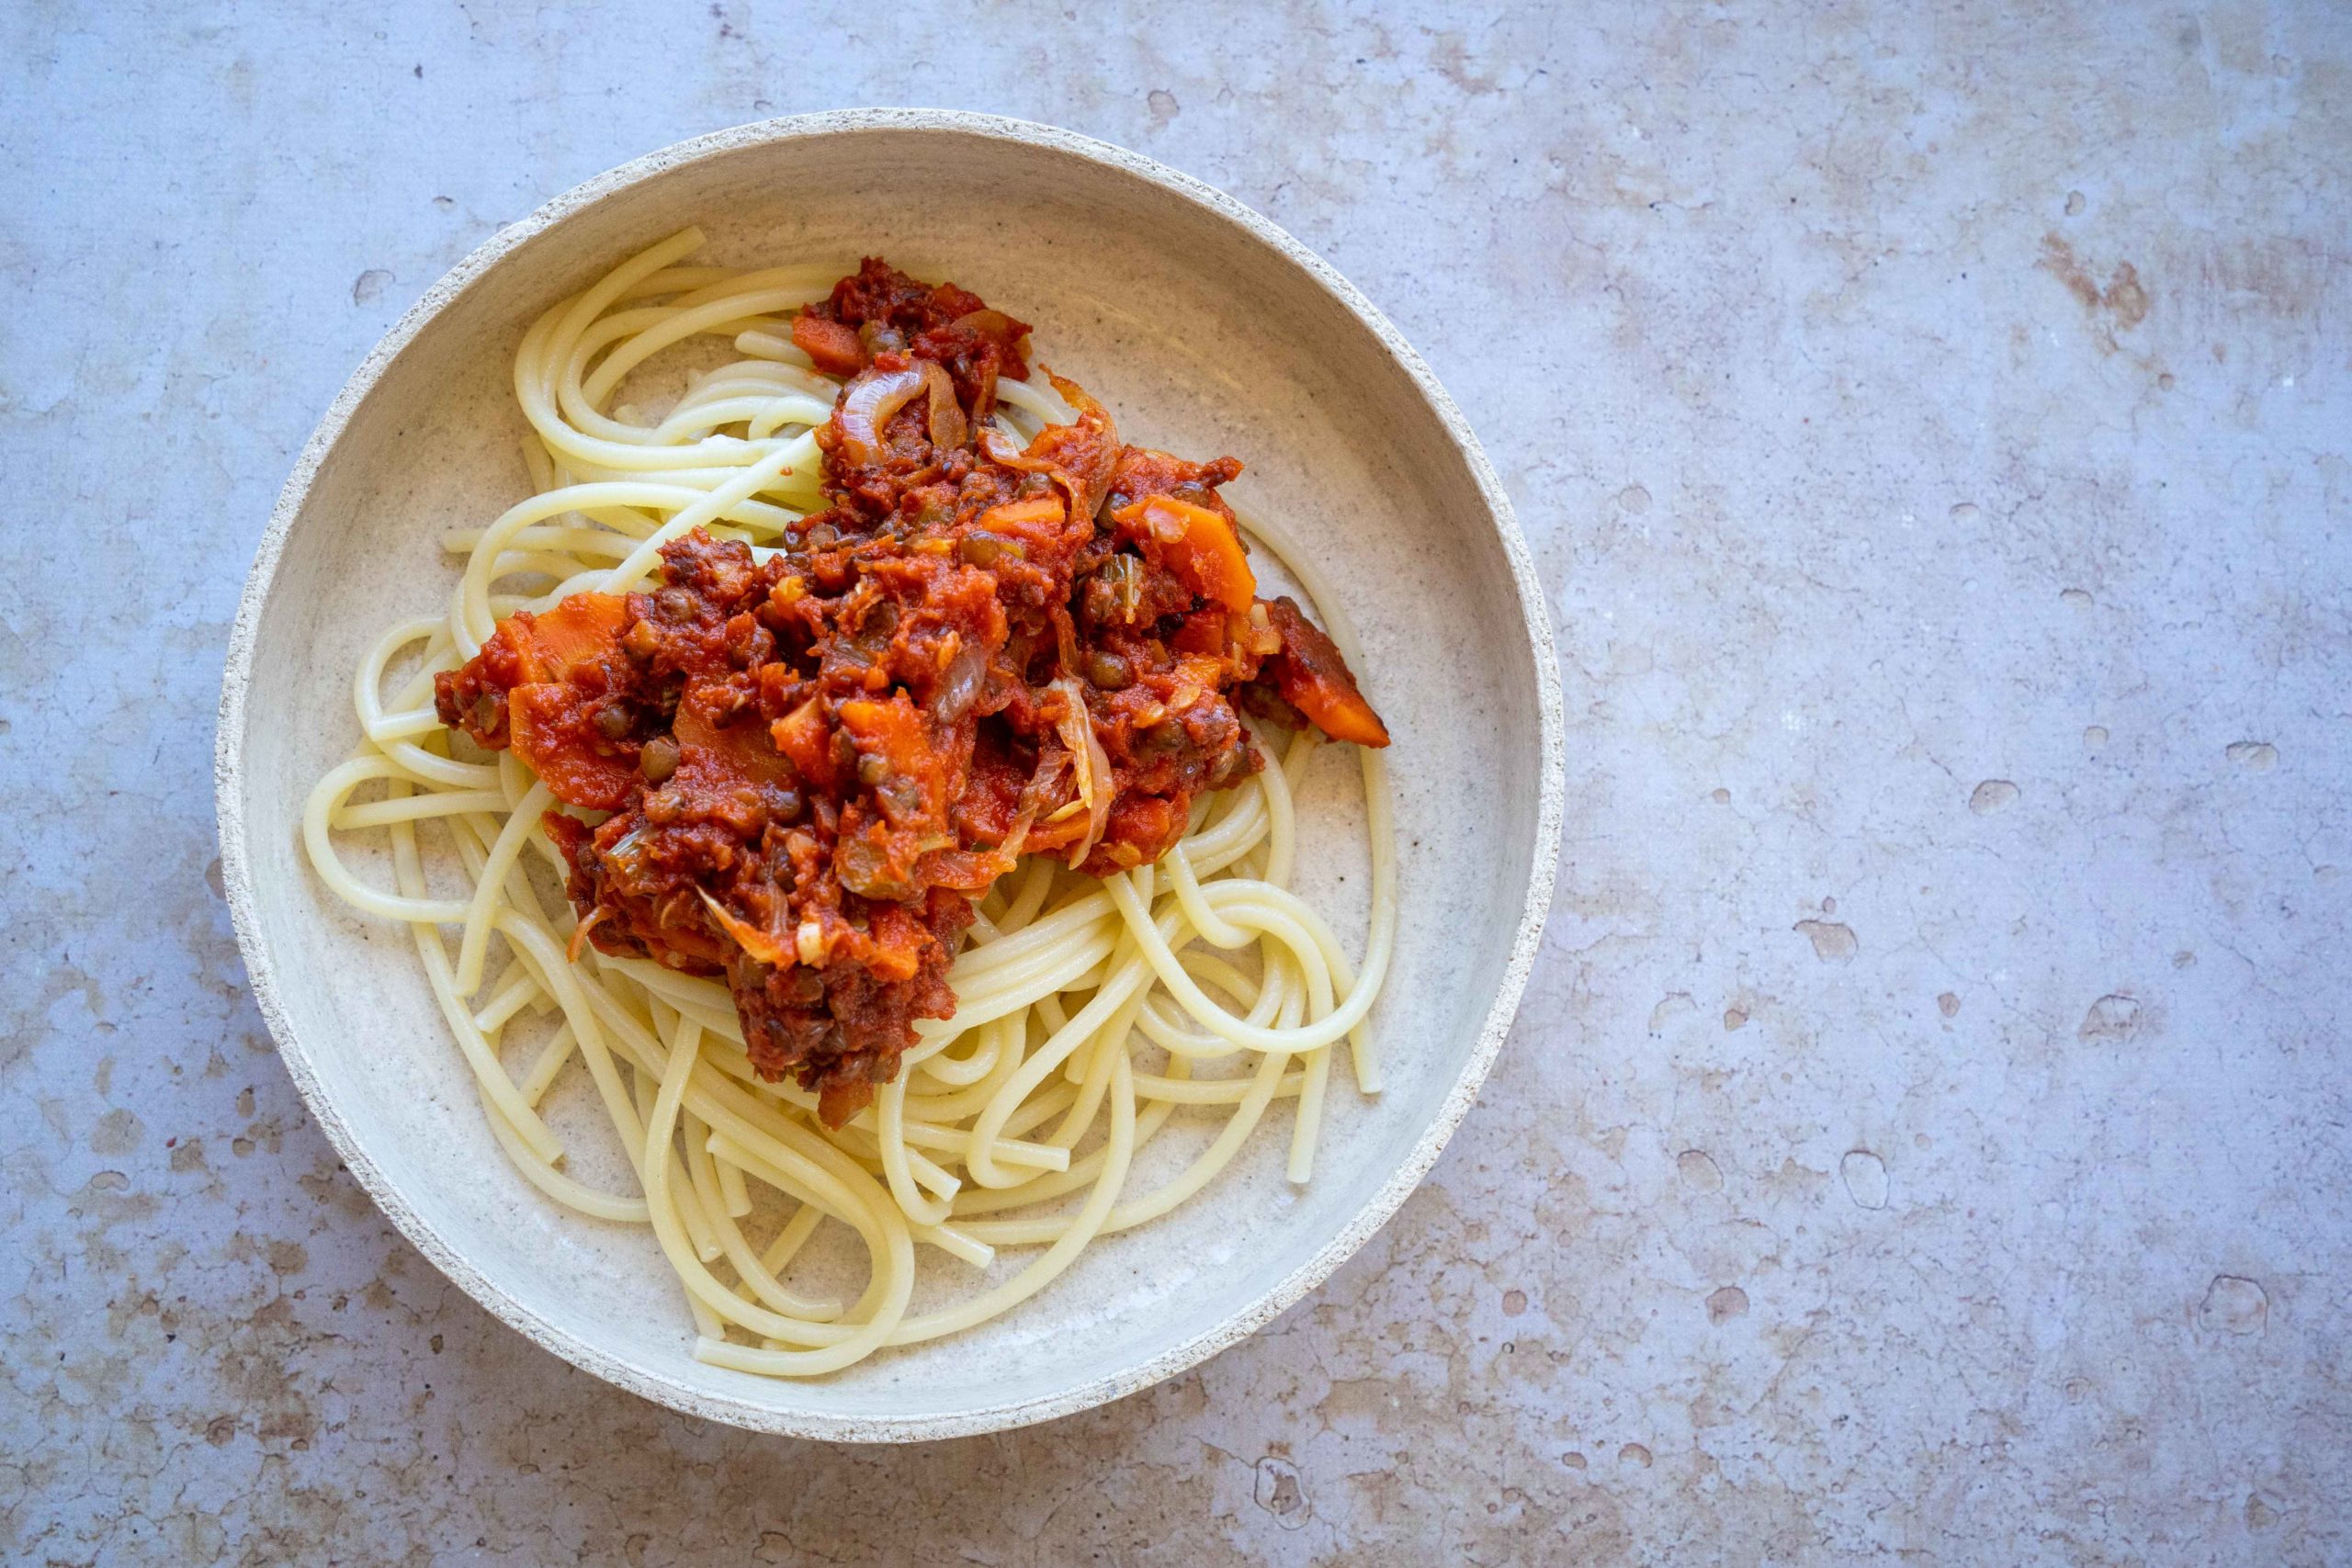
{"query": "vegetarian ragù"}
(811, 761)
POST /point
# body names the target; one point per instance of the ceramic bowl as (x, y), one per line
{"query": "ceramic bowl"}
(1207, 329)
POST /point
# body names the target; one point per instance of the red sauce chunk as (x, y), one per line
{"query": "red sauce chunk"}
(801, 775)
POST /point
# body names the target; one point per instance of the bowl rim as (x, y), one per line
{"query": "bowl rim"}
(1101, 1387)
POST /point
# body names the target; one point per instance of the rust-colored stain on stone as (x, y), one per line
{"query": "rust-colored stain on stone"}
(2123, 298)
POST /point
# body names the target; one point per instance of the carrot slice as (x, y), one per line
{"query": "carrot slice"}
(1197, 544)
(1314, 679)
(831, 346)
(1035, 523)
(576, 633)
(1015, 514)
(890, 729)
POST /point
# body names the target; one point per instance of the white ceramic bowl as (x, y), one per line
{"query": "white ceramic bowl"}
(1207, 329)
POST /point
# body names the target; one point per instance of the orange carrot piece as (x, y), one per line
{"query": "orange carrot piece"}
(1197, 544)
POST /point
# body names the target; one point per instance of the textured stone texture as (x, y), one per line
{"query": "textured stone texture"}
(1925, 1137)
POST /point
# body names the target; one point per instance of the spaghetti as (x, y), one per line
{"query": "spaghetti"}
(1098, 996)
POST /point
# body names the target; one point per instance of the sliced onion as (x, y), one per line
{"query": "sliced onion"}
(1001, 449)
(874, 398)
(1044, 781)
(948, 428)
(959, 687)
(869, 404)
(988, 323)
(1011, 848)
(1088, 499)
(1081, 400)
(1085, 490)
(572, 949)
(749, 937)
(1100, 812)
(1091, 762)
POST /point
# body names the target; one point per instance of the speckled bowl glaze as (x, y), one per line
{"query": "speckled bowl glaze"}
(1207, 329)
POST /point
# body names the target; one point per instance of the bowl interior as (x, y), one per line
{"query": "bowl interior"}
(1202, 337)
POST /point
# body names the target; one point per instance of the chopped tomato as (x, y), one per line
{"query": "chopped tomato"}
(1141, 828)
(898, 939)
(803, 735)
(734, 752)
(910, 782)
(1200, 633)
(553, 733)
(551, 717)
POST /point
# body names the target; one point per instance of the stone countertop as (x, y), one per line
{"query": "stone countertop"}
(1925, 1137)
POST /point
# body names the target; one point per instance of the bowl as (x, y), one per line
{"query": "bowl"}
(1207, 329)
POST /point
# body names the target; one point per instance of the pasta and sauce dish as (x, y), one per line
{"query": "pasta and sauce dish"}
(876, 778)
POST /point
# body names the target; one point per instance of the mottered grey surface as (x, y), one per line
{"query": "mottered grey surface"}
(1925, 1137)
